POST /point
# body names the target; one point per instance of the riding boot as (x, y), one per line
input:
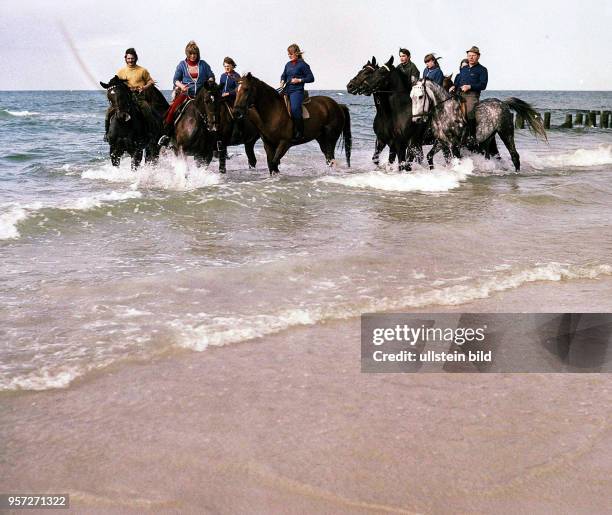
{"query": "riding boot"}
(298, 129)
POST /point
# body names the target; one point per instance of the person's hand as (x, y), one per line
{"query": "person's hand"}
(452, 89)
(282, 84)
(226, 94)
(295, 80)
(466, 87)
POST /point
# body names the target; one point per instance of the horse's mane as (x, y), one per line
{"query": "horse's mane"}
(438, 90)
(156, 97)
(266, 87)
(402, 77)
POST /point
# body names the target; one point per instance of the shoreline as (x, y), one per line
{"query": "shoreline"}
(288, 423)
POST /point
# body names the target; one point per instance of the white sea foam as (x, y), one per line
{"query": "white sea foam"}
(9, 221)
(43, 379)
(16, 213)
(220, 331)
(436, 180)
(170, 173)
(21, 113)
(579, 158)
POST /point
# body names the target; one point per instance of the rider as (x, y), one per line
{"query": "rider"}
(191, 74)
(138, 80)
(471, 80)
(433, 72)
(295, 75)
(406, 66)
(228, 82)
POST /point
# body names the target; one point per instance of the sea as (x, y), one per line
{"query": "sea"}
(104, 267)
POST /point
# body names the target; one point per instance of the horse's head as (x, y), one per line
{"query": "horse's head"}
(119, 96)
(355, 85)
(208, 100)
(379, 79)
(245, 95)
(447, 83)
(421, 101)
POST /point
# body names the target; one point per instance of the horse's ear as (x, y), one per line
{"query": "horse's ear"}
(390, 61)
(373, 61)
(248, 75)
(104, 85)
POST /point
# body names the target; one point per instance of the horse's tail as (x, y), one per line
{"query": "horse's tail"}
(529, 114)
(346, 134)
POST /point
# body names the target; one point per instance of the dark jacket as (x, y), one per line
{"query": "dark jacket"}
(299, 70)
(228, 83)
(182, 74)
(434, 75)
(410, 70)
(475, 76)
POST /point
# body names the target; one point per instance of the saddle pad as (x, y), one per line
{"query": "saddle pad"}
(305, 113)
(181, 110)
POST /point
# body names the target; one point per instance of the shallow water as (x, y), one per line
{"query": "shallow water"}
(103, 265)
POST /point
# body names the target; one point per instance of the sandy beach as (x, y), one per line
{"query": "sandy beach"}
(289, 424)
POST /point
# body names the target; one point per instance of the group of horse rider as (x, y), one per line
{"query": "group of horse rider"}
(469, 82)
(193, 73)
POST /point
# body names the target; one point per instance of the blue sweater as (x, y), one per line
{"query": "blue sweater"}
(434, 75)
(475, 76)
(182, 74)
(299, 70)
(228, 83)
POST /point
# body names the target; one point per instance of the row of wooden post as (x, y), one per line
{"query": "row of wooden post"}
(585, 119)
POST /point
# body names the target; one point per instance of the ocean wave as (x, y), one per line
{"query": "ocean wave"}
(16, 214)
(430, 181)
(579, 158)
(225, 330)
(7, 112)
(170, 173)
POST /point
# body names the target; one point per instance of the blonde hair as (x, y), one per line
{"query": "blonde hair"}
(191, 48)
(295, 49)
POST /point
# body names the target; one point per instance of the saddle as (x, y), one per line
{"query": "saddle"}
(305, 113)
(181, 110)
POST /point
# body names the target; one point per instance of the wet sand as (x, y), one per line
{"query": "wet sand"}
(289, 424)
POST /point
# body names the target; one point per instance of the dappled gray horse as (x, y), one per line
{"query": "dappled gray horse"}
(493, 117)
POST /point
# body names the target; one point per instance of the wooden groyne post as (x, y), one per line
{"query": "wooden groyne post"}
(547, 120)
(567, 124)
(604, 120)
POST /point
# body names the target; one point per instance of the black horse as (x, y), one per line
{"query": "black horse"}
(128, 129)
(382, 126)
(407, 136)
(225, 130)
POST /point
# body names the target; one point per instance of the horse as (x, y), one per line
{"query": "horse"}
(492, 115)
(191, 134)
(224, 128)
(382, 129)
(128, 130)
(406, 135)
(266, 108)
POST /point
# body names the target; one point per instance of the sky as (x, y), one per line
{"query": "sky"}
(535, 44)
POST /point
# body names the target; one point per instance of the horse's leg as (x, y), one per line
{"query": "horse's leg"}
(249, 148)
(222, 159)
(378, 147)
(493, 150)
(447, 153)
(115, 156)
(508, 139)
(136, 158)
(392, 154)
(455, 151)
(270, 151)
(281, 150)
(432, 153)
(401, 157)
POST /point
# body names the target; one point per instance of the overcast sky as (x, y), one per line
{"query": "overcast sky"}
(534, 44)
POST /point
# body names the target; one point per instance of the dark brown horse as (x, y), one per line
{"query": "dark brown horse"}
(191, 135)
(266, 108)
(225, 130)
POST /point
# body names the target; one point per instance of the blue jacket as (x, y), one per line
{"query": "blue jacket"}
(434, 75)
(299, 70)
(182, 74)
(228, 83)
(475, 76)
